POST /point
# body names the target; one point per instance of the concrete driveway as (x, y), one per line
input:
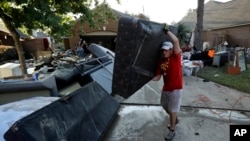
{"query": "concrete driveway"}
(207, 111)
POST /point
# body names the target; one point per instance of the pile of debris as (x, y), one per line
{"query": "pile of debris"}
(7, 53)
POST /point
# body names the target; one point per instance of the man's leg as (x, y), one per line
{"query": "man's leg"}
(173, 108)
(172, 118)
(166, 110)
(171, 132)
(167, 102)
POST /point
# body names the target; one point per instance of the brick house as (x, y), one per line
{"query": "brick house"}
(229, 21)
(30, 45)
(104, 35)
(5, 37)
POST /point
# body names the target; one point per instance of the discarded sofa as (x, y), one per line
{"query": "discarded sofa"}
(17, 90)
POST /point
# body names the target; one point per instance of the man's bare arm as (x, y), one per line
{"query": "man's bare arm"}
(156, 78)
(176, 45)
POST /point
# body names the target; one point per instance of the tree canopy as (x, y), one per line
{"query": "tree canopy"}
(50, 15)
(183, 34)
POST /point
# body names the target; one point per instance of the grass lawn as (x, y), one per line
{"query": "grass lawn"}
(240, 82)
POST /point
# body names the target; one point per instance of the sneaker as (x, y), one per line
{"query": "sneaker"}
(170, 135)
(176, 122)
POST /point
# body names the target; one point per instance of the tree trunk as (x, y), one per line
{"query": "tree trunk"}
(18, 46)
(20, 53)
(199, 25)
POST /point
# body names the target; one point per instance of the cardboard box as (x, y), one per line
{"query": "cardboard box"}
(10, 69)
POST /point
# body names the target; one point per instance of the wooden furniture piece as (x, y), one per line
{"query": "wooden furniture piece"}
(233, 66)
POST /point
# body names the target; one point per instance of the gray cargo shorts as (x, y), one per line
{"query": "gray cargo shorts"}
(171, 100)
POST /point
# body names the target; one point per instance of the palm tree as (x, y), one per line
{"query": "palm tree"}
(199, 25)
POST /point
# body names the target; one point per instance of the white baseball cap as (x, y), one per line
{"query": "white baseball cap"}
(167, 45)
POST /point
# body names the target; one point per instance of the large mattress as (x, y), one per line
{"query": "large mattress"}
(136, 55)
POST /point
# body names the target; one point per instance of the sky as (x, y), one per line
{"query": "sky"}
(162, 11)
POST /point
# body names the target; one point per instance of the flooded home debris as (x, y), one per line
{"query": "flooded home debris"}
(7, 52)
(10, 69)
(77, 88)
(64, 69)
(17, 89)
(14, 111)
(96, 66)
(86, 115)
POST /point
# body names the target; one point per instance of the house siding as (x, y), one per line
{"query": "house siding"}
(239, 35)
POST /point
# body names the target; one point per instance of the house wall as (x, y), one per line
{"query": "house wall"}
(239, 35)
(33, 45)
(6, 39)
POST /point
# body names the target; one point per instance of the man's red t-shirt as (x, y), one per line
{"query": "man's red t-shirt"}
(171, 70)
